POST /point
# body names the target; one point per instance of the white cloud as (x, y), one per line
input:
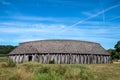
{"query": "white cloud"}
(38, 18)
(30, 28)
(34, 18)
(22, 31)
(21, 27)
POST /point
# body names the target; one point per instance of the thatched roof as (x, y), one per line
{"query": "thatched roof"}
(59, 46)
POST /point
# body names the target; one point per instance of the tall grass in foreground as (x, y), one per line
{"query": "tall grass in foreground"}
(37, 71)
(57, 72)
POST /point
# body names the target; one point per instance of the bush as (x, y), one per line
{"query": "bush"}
(52, 62)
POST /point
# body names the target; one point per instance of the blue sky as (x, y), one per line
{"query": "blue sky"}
(88, 20)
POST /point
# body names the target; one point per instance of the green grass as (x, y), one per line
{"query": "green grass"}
(37, 71)
(3, 59)
(3, 55)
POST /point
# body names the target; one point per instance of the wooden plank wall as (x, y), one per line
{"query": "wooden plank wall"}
(63, 58)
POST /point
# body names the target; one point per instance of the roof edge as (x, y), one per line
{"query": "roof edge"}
(58, 53)
(58, 40)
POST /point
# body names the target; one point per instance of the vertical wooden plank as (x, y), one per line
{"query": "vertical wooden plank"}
(33, 57)
(20, 59)
(81, 59)
(85, 59)
(17, 58)
(58, 58)
(40, 58)
(69, 58)
(77, 59)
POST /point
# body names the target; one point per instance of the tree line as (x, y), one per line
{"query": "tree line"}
(5, 49)
(115, 53)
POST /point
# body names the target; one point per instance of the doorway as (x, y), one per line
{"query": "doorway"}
(30, 58)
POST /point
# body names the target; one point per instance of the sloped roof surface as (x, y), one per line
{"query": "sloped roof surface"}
(59, 46)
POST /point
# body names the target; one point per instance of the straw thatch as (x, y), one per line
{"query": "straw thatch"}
(59, 46)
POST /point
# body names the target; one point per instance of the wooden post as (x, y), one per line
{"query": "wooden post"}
(70, 58)
(82, 61)
(25, 58)
(16, 60)
(33, 57)
(65, 58)
(21, 58)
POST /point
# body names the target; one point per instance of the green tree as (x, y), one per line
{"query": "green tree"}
(5, 49)
(117, 46)
(115, 53)
(112, 52)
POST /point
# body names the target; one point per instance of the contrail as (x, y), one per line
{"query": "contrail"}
(101, 12)
(115, 18)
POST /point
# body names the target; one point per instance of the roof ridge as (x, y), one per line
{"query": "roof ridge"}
(59, 40)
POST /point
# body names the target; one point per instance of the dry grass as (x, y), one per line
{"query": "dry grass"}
(105, 71)
(3, 59)
(36, 71)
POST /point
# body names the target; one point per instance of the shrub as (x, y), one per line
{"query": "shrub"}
(52, 62)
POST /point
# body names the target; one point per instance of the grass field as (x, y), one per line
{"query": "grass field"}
(3, 59)
(37, 71)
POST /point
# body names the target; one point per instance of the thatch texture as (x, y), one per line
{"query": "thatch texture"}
(59, 46)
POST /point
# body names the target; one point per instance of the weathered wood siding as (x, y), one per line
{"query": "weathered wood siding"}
(63, 58)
